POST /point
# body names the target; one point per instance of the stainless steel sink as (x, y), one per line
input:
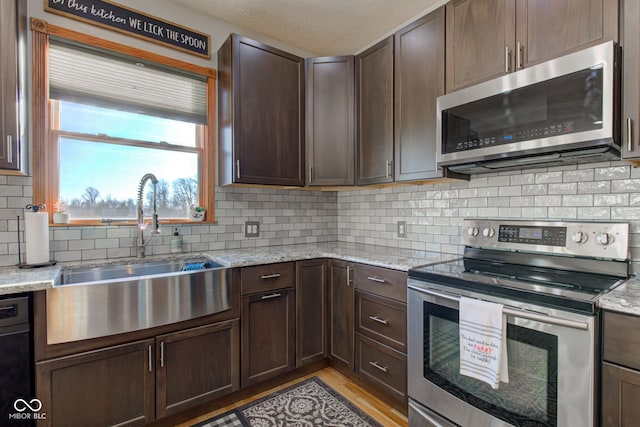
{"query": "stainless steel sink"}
(113, 272)
(95, 302)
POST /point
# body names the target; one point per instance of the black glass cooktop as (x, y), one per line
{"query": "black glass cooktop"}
(555, 287)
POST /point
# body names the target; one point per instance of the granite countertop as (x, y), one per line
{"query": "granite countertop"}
(14, 280)
(623, 299)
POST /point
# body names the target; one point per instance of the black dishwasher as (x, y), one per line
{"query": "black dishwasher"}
(17, 405)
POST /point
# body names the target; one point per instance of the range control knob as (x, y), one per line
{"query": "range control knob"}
(604, 239)
(580, 237)
(488, 232)
(472, 231)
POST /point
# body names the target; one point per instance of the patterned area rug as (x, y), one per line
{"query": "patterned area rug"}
(306, 404)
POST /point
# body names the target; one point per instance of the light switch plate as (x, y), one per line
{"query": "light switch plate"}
(402, 229)
(252, 229)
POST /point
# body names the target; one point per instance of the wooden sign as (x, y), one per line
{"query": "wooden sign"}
(133, 22)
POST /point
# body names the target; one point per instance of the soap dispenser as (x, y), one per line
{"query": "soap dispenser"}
(176, 242)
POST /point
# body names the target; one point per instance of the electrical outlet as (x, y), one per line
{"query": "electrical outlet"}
(252, 229)
(402, 229)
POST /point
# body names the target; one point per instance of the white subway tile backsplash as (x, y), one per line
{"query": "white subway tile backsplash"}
(433, 213)
(563, 188)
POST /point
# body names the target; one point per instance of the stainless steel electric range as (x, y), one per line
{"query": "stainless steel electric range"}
(548, 276)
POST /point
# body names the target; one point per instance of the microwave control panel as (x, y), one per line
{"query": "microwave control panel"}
(522, 135)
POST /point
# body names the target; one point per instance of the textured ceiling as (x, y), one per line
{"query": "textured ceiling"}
(324, 27)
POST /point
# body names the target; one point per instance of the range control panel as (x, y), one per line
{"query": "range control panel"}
(589, 239)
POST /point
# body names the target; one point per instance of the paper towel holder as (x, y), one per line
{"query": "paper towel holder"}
(49, 263)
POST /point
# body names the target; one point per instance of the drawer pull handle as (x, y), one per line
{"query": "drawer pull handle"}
(270, 276)
(7, 307)
(379, 320)
(377, 365)
(271, 296)
(376, 279)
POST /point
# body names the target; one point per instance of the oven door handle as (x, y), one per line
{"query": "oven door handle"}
(539, 317)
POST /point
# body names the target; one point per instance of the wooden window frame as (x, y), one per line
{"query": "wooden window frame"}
(45, 158)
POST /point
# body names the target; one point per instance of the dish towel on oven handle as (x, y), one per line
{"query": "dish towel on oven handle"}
(483, 341)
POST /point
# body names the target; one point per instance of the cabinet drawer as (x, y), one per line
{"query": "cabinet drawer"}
(381, 281)
(268, 277)
(383, 367)
(622, 339)
(382, 319)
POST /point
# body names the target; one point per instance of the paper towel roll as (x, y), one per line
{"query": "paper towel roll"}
(36, 237)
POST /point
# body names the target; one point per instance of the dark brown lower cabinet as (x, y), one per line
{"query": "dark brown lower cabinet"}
(311, 311)
(382, 367)
(113, 386)
(134, 384)
(341, 318)
(268, 334)
(620, 397)
(196, 365)
(620, 370)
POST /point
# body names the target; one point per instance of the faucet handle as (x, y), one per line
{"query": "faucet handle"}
(156, 225)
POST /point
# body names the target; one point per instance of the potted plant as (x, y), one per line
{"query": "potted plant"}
(196, 213)
(61, 215)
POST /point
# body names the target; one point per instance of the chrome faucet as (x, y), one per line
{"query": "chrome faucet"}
(141, 244)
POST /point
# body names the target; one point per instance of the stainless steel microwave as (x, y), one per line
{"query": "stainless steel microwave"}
(555, 113)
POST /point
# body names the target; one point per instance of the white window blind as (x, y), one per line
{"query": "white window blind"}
(99, 78)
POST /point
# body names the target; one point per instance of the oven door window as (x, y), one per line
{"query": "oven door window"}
(530, 397)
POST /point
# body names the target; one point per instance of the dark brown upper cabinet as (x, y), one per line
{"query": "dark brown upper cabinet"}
(374, 105)
(630, 41)
(12, 97)
(330, 121)
(419, 80)
(489, 38)
(260, 114)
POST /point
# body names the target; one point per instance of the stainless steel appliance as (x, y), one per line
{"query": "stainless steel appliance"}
(559, 112)
(16, 360)
(548, 276)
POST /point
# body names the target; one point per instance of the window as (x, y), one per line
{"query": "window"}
(115, 117)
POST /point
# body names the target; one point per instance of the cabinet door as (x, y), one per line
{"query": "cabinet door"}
(268, 114)
(109, 387)
(620, 396)
(268, 334)
(311, 311)
(341, 314)
(631, 79)
(10, 84)
(419, 80)
(549, 29)
(330, 121)
(374, 77)
(196, 365)
(480, 41)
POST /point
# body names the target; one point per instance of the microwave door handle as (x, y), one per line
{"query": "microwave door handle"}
(544, 318)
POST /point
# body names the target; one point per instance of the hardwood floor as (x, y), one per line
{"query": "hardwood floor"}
(370, 404)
